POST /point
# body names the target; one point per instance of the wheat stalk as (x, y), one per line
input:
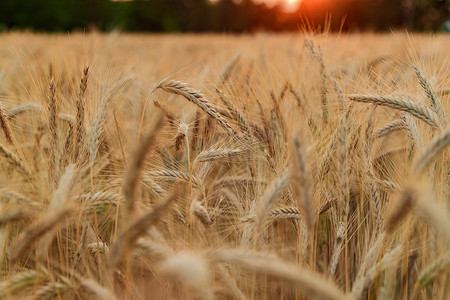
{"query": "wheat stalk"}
(285, 213)
(200, 212)
(97, 127)
(292, 213)
(192, 270)
(173, 174)
(236, 115)
(391, 127)
(318, 57)
(51, 290)
(99, 199)
(14, 215)
(23, 280)
(14, 161)
(303, 184)
(307, 281)
(226, 72)
(4, 124)
(98, 290)
(6, 193)
(151, 249)
(340, 239)
(431, 94)
(27, 107)
(416, 110)
(237, 181)
(127, 238)
(79, 123)
(272, 193)
(433, 150)
(217, 154)
(155, 188)
(181, 136)
(399, 210)
(438, 267)
(389, 260)
(39, 228)
(180, 88)
(136, 164)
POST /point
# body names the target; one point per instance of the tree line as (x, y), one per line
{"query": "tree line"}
(221, 16)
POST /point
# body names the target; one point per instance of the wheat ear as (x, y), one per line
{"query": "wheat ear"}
(51, 291)
(128, 237)
(288, 213)
(389, 260)
(14, 161)
(4, 124)
(303, 183)
(438, 267)
(318, 57)
(416, 110)
(217, 154)
(27, 107)
(399, 210)
(20, 281)
(191, 270)
(79, 120)
(97, 127)
(272, 193)
(38, 229)
(173, 174)
(432, 150)
(136, 164)
(98, 290)
(236, 115)
(391, 127)
(180, 88)
(431, 94)
(200, 212)
(226, 72)
(310, 282)
(340, 239)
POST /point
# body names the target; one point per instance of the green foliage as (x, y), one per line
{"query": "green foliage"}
(226, 15)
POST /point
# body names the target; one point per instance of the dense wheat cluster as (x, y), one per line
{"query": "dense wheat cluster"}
(224, 167)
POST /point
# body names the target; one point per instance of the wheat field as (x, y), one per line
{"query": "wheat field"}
(259, 166)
